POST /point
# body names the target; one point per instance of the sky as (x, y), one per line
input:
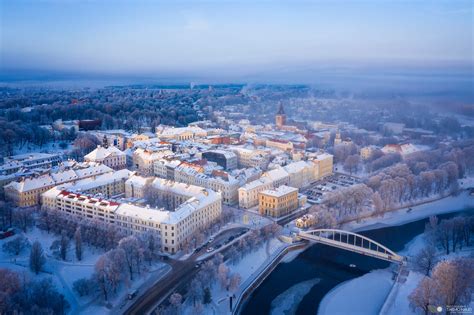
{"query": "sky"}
(241, 40)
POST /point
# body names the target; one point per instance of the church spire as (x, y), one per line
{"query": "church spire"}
(281, 111)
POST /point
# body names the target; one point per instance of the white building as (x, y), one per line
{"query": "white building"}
(248, 194)
(199, 211)
(110, 156)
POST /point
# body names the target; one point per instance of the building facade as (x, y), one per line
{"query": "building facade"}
(278, 202)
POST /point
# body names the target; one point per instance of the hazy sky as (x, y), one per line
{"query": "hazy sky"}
(232, 37)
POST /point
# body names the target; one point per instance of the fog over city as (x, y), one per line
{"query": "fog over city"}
(203, 157)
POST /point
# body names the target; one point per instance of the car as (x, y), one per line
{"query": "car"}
(231, 238)
(211, 239)
(7, 233)
(218, 246)
(197, 266)
(210, 249)
(132, 294)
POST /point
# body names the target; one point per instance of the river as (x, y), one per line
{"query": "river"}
(304, 281)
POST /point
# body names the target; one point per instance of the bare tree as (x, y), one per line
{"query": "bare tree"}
(37, 259)
(426, 259)
(423, 296)
(351, 163)
(234, 282)
(454, 280)
(223, 276)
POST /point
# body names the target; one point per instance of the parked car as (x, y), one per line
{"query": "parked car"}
(210, 249)
(7, 233)
(132, 294)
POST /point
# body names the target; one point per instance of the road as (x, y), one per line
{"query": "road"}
(181, 274)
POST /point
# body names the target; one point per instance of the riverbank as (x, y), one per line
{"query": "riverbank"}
(418, 212)
(371, 287)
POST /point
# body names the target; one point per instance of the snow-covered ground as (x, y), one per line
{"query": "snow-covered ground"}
(65, 273)
(50, 147)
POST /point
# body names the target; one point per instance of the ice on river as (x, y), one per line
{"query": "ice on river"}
(287, 302)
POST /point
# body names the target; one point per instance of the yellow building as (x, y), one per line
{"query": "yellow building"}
(278, 202)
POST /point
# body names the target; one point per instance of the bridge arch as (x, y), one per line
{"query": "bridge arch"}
(353, 242)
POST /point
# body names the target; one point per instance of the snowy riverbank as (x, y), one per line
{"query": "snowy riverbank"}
(401, 216)
(352, 297)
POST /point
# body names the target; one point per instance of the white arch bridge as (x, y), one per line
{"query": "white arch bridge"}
(352, 242)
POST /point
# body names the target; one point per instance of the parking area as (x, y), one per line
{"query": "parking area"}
(319, 189)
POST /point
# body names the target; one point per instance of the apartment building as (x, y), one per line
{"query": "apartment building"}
(200, 209)
(27, 192)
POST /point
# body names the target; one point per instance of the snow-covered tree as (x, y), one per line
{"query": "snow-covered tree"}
(78, 243)
(16, 245)
(37, 258)
(223, 276)
(133, 254)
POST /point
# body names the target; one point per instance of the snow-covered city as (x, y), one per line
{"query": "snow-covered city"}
(287, 190)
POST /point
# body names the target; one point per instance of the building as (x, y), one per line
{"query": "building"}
(108, 185)
(143, 159)
(337, 139)
(300, 173)
(219, 181)
(284, 145)
(117, 138)
(248, 194)
(251, 157)
(306, 221)
(278, 202)
(29, 161)
(200, 209)
(135, 186)
(226, 159)
(27, 192)
(110, 156)
(324, 165)
(279, 176)
(164, 168)
(367, 152)
(183, 133)
(280, 117)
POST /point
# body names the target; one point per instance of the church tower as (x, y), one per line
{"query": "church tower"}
(338, 139)
(105, 142)
(280, 117)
